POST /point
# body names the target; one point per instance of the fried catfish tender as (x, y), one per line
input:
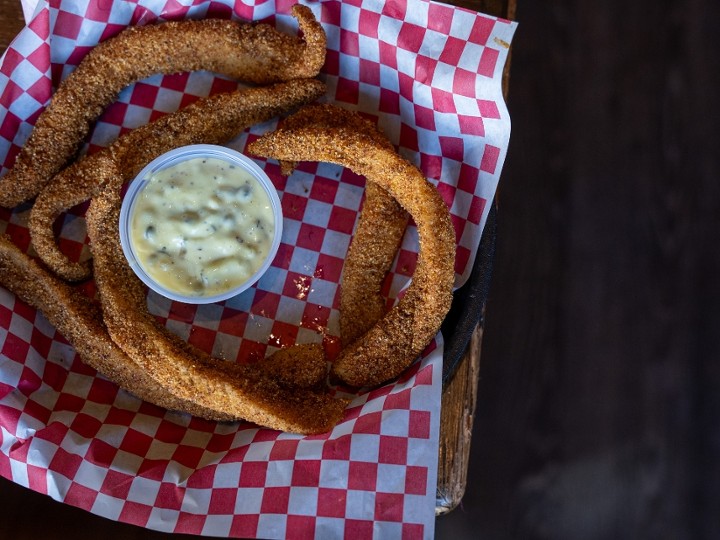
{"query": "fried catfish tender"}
(253, 53)
(332, 134)
(189, 375)
(213, 120)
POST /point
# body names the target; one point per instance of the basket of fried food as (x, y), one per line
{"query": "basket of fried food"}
(117, 336)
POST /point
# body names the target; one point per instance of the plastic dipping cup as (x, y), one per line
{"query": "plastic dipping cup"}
(174, 158)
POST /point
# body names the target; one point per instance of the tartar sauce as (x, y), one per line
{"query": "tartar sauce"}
(202, 227)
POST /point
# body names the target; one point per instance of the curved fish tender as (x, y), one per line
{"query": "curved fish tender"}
(254, 53)
(303, 365)
(370, 254)
(331, 134)
(80, 322)
(212, 120)
(247, 393)
(378, 234)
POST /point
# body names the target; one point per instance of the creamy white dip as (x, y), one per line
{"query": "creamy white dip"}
(202, 227)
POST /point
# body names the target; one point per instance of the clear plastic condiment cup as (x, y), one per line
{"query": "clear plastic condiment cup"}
(175, 157)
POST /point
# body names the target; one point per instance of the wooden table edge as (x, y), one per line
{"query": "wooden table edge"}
(459, 397)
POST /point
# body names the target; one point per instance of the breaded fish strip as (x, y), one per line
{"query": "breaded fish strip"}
(80, 322)
(370, 255)
(331, 134)
(226, 386)
(379, 231)
(212, 120)
(254, 53)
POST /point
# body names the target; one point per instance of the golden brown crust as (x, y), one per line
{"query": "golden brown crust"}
(240, 390)
(213, 120)
(124, 341)
(370, 255)
(379, 230)
(80, 322)
(331, 134)
(302, 365)
(254, 53)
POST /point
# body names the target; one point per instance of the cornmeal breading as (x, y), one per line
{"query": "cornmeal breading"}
(331, 134)
(254, 53)
(213, 120)
(241, 391)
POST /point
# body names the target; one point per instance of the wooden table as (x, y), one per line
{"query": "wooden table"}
(27, 514)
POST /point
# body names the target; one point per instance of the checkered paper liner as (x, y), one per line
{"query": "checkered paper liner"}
(430, 75)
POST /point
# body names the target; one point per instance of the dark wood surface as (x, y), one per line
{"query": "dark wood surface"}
(599, 398)
(598, 410)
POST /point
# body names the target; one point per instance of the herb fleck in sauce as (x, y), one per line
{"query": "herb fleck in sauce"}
(202, 227)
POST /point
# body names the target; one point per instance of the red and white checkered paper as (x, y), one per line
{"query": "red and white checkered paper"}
(430, 74)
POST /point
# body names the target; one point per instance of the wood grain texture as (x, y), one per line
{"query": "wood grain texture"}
(460, 395)
(11, 22)
(598, 410)
(457, 417)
